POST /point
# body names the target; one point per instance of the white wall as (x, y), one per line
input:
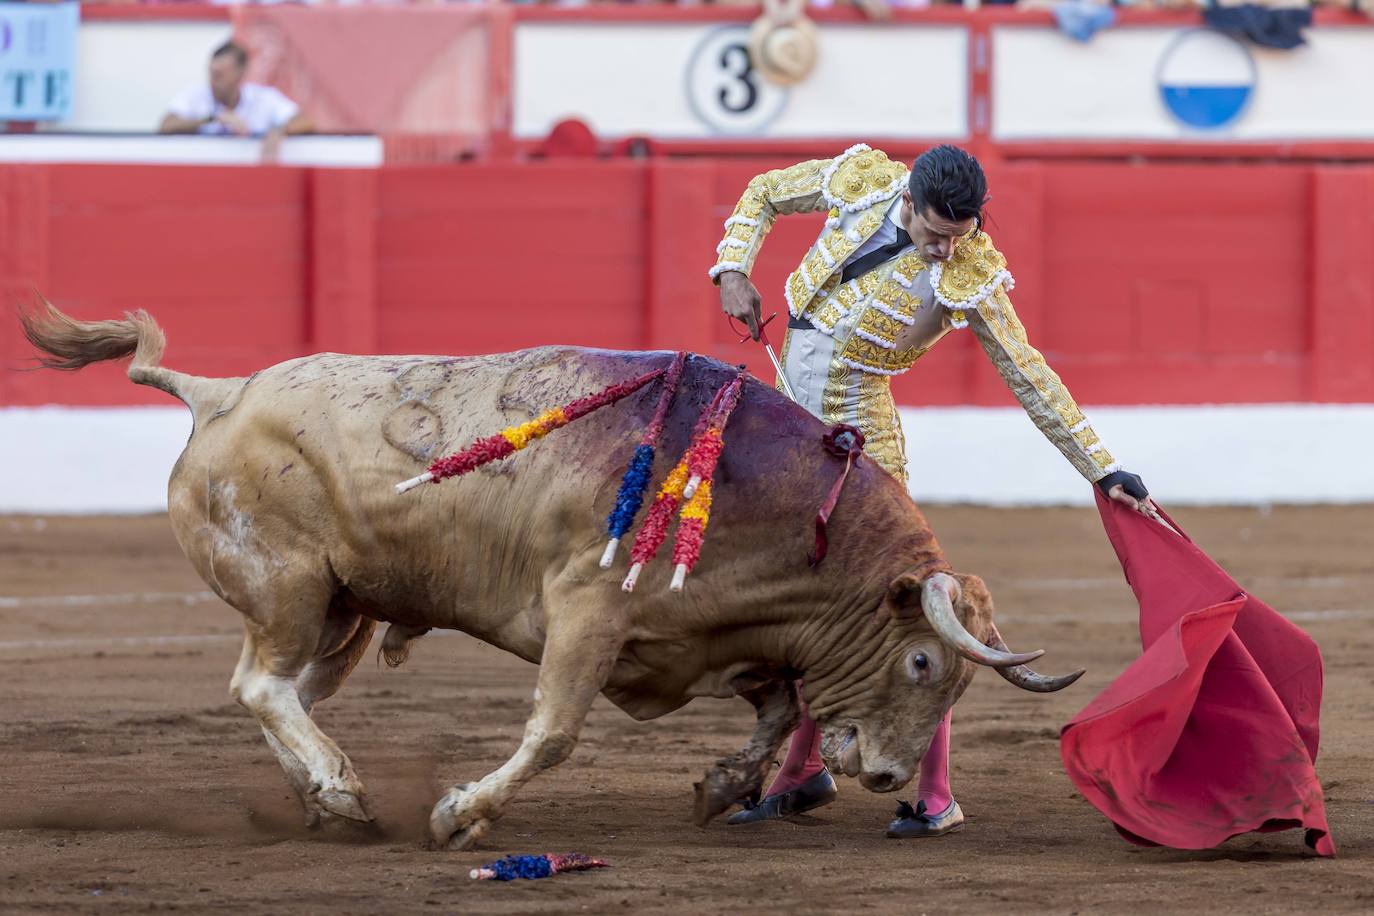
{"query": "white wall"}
(68, 460)
(636, 78)
(640, 79)
(1232, 454)
(1048, 86)
(325, 151)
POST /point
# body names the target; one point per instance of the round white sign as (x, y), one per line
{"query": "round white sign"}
(1206, 79)
(724, 90)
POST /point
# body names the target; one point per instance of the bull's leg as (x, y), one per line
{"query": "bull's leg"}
(741, 774)
(579, 652)
(278, 681)
(320, 680)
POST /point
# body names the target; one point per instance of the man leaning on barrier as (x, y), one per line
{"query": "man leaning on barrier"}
(230, 105)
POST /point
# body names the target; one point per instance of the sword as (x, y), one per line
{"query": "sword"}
(772, 354)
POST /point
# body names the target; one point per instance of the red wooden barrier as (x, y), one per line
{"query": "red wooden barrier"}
(1154, 283)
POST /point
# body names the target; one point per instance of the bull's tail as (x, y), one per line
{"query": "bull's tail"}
(69, 344)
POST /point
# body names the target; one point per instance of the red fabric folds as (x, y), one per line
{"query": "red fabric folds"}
(1213, 731)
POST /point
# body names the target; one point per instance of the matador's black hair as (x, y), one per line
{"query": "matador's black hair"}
(950, 182)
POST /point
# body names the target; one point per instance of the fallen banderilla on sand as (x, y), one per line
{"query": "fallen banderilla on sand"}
(531, 867)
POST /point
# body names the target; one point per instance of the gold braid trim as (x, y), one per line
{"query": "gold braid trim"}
(881, 425)
(1039, 389)
(795, 189)
(974, 272)
(872, 346)
(861, 177)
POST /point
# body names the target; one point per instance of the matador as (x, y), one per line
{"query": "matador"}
(901, 261)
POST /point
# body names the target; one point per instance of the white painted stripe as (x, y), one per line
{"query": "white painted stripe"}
(1247, 454)
(1196, 455)
(1316, 615)
(1255, 583)
(85, 460)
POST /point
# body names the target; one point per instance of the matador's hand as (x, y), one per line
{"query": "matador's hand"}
(1128, 489)
(740, 299)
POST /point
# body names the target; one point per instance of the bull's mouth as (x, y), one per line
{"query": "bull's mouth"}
(840, 751)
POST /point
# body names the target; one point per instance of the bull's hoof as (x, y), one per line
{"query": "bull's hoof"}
(340, 804)
(456, 821)
(467, 838)
(720, 788)
(723, 786)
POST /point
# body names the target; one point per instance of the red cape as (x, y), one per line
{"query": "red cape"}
(1213, 731)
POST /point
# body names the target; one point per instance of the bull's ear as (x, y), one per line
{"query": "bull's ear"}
(904, 595)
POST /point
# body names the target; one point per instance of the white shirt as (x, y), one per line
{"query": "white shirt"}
(886, 234)
(261, 107)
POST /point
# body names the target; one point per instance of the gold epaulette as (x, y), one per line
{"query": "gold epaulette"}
(861, 177)
(971, 275)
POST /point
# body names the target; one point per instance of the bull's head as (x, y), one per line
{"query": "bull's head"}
(879, 729)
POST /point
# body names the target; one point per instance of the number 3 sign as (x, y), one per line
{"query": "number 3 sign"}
(724, 90)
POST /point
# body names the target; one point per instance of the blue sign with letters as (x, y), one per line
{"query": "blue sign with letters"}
(37, 60)
(1206, 79)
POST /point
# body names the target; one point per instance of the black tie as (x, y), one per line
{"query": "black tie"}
(878, 256)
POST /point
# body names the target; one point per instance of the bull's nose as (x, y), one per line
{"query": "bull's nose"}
(880, 782)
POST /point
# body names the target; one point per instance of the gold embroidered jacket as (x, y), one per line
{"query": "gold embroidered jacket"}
(864, 316)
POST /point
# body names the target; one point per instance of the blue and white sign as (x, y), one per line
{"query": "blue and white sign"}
(1206, 79)
(37, 60)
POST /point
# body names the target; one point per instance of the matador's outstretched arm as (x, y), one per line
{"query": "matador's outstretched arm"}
(1045, 398)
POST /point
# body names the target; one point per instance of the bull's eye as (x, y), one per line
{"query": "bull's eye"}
(920, 661)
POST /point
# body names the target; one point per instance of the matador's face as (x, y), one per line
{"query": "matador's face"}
(936, 236)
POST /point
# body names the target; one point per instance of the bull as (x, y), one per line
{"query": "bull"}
(283, 502)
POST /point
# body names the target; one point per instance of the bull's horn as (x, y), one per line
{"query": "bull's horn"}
(939, 610)
(1027, 679)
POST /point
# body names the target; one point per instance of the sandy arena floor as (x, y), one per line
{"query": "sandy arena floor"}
(131, 782)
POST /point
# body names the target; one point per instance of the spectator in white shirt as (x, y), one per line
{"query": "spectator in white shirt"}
(228, 105)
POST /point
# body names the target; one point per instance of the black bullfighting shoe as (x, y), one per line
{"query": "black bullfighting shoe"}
(816, 792)
(911, 824)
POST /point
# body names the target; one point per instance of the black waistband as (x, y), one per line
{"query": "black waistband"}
(800, 322)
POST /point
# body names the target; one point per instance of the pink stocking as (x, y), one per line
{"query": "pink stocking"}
(803, 757)
(934, 785)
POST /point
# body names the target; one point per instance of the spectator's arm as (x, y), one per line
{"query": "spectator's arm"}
(298, 124)
(173, 123)
(190, 110)
(271, 142)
